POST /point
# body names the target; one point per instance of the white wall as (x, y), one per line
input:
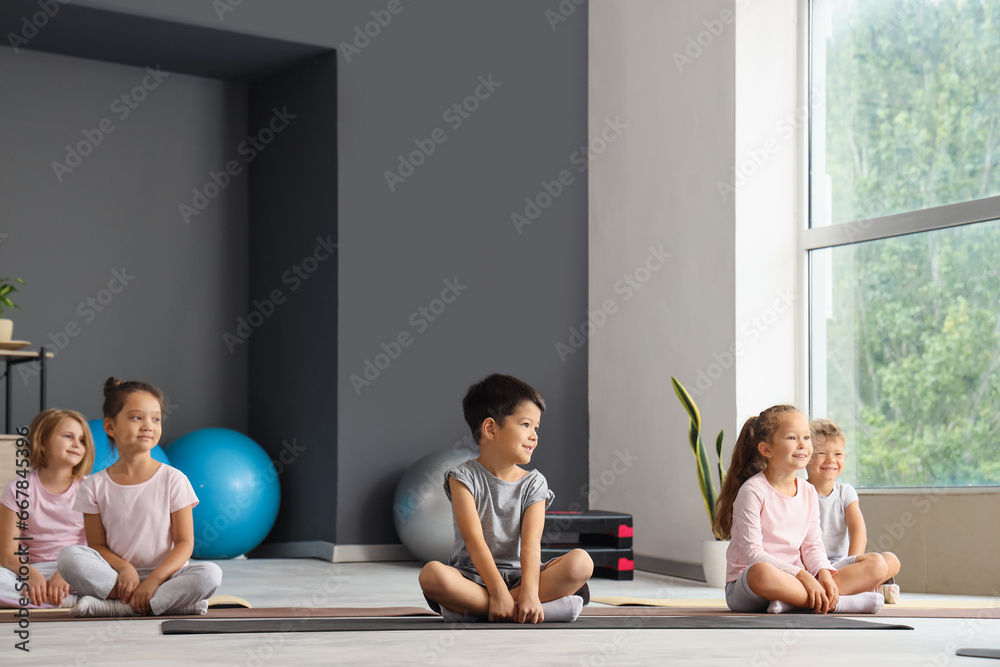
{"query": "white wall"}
(656, 186)
(771, 135)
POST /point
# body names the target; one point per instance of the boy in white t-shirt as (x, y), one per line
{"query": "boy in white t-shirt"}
(843, 525)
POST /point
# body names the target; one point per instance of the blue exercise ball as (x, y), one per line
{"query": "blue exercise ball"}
(421, 510)
(237, 489)
(105, 454)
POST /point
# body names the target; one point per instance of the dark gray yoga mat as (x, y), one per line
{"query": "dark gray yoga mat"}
(781, 622)
(979, 653)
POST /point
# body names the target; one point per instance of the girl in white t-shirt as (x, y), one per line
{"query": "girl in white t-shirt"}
(137, 515)
(37, 507)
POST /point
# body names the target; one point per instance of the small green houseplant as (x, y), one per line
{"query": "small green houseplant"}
(7, 287)
(713, 551)
(698, 447)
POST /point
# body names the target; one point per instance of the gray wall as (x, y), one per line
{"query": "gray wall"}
(293, 223)
(450, 220)
(118, 211)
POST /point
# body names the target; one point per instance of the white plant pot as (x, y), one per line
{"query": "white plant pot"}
(6, 329)
(713, 560)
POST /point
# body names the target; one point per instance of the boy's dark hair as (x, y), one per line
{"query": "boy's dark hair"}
(496, 396)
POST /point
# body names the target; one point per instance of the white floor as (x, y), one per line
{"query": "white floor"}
(316, 583)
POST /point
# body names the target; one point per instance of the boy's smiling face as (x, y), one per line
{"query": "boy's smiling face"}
(827, 461)
(517, 438)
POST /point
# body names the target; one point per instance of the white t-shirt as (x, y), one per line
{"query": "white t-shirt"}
(136, 517)
(52, 523)
(833, 521)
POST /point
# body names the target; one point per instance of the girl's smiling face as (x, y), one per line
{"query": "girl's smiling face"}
(790, 447)
(137, 427)
(66, 446)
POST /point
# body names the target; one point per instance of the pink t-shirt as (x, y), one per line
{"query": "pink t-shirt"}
(52, 523)
(774, 528)
(136, 517)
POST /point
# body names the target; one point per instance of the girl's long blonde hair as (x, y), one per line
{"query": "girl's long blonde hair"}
(746, 463)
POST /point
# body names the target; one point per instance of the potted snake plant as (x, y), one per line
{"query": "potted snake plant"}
(713, 551)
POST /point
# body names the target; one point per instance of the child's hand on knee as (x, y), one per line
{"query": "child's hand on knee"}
(58, 589)
(141, 596)
(829, 584)
(38, 589)
(128, 580)
(502, 606)
(816, 596)
(529, 609)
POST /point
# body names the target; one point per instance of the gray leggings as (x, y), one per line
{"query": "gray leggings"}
(85, 570)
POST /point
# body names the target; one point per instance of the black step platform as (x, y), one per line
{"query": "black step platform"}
(606, 536)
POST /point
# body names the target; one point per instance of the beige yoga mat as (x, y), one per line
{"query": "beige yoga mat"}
(947, 603)
(626, 606)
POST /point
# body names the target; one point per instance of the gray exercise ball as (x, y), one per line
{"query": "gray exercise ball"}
(422, 511)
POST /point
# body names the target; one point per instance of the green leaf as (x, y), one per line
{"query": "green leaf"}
(688, 403)
(718, 453)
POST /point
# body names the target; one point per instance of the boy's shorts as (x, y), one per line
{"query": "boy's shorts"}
(739, 597)
(510, 577)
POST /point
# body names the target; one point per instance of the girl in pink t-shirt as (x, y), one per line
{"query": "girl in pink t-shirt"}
(137, 515)
(38, 507)
(776, 559)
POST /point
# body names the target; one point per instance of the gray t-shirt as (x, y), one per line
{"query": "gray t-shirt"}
(833, 522)
(501, 507)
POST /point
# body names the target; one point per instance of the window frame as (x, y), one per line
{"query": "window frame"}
(876, 228)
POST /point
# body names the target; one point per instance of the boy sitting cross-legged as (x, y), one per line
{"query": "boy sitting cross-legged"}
(843, 526)
(495, 571)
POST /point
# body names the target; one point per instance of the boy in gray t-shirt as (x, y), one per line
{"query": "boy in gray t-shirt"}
(495, 571)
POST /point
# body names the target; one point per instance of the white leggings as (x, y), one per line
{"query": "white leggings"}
(10, 596)
(86, 571)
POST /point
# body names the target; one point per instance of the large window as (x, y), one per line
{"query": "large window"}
(903, 238)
